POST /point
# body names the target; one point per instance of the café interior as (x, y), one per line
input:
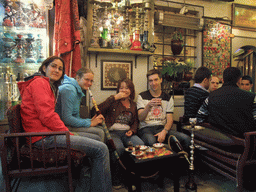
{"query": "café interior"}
(127, 38)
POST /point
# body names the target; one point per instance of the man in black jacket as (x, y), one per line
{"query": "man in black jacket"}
(229, 108)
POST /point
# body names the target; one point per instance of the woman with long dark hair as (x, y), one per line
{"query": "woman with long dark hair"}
(39, 95)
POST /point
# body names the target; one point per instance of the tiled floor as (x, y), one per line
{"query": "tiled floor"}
(206, 182)
(206, 179)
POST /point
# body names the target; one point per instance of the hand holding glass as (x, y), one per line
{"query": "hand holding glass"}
(157, 101)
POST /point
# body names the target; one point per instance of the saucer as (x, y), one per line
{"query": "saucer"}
(158, 145)
(139, 153)
(143, 147)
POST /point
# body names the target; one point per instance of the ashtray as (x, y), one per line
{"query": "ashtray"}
(158, 145)
(137, 153)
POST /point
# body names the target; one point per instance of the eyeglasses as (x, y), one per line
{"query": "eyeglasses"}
(55, 66)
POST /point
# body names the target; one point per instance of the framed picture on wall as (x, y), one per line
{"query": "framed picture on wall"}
(113, 71)
(244, 16)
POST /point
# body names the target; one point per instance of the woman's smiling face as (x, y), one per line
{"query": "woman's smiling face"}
(125, 89)
(54, 70)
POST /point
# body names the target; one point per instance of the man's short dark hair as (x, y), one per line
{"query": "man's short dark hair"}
(247, 77)
(231, 75)
(201, 74)
(154, 71)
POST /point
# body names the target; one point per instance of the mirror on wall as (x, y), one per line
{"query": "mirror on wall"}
(245, 60)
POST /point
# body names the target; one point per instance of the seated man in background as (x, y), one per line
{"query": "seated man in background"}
(155, 109)
(68, 105)
(195, 96)
(214, 84)
(246, 83)
(230, 109)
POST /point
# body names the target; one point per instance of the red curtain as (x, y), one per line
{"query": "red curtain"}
(67, 34)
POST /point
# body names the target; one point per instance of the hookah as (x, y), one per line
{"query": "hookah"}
(19, 45)
(8, 47)
(126, 43)
(29, 48)
(110, 141)
(191, 185)
(40, 47)
(105, 5)
(8, 19)
(142, 14)
(115, 41)
(145, 43)
(136, 44)
(131, 28)
(94, 40)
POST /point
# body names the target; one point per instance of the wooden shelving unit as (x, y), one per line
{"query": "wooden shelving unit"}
(119, 51)
(97, 51)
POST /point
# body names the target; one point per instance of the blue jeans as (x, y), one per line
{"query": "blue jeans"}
(96, 133)
(147, 136)
(98, 154)
(121, 142)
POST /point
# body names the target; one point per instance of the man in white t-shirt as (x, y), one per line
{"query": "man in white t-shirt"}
(155, 109)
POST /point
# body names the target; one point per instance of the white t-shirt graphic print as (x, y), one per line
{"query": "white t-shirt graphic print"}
(156, 115)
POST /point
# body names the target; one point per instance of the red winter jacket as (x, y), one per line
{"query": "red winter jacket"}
(38, 107)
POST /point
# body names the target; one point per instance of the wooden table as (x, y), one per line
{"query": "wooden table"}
(150, 166)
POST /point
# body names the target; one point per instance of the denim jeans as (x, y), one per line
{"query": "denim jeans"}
(147, 136)
(96, 133)
(98, 154)
(121, 142)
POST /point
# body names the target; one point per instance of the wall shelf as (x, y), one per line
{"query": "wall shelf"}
(120, 51)
(97, 51)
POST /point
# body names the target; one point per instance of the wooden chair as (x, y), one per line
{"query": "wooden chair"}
(20, 158)
(230, 156)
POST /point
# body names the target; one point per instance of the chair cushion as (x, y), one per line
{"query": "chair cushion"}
(219, 140)
(50, 155)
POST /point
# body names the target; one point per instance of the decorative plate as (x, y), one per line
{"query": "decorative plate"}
(158, 145)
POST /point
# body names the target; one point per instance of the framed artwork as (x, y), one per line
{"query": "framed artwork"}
(113, 71)
(216, 46)
(244, 16)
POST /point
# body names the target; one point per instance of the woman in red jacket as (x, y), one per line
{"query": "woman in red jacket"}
(39, 95)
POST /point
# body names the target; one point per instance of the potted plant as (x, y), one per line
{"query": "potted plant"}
(173, 69)
(177, 43)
